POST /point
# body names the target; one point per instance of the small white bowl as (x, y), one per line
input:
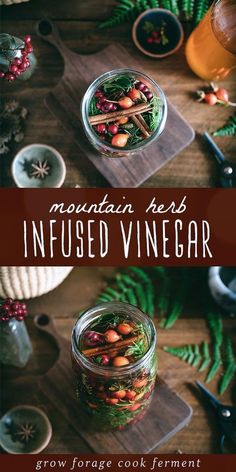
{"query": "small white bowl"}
(20, 168)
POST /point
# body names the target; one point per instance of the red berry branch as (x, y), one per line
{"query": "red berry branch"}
(10, 309)
(18, 65)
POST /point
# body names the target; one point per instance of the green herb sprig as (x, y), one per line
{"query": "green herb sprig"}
(216, 328)
(230, 366)
(127, 10)
(201, 356)
(229, 129)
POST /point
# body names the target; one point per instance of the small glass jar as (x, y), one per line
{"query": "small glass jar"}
(97, 385)
(105, 148)
(15, 344)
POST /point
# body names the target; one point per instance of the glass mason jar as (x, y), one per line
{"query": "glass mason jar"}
(11, 48)
(99, 386)
(15, 344)
(211, 48)
(104, 147)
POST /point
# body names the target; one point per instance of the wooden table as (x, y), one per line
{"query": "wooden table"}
(79, 291)
(77, 20)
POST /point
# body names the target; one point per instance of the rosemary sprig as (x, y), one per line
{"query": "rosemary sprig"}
(230, 366)
(137, 349)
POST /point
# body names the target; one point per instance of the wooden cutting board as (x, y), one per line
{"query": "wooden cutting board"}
(167, 414)
(64, 102)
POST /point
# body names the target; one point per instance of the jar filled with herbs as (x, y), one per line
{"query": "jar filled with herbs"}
(123, 111)
(114, 360)
(16, 347)
(17, 60)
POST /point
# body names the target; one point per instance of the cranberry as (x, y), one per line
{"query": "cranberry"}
(114, 107)
(98, 105)
(29, 48)
(145, 89)
(113, 129)
(2, 74)
(140, 86)
(108, 106)
(101, 128)
(10, 77)
(98, 94)
(17, 62)
(148, 95)
(27, 38)
(105, 359)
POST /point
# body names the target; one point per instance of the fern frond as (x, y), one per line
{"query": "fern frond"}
(229, 129)
(230, 366)
(200, 9)
(188, 353)
(124, 11)
(206, 357)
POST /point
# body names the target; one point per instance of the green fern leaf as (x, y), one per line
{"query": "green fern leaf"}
(200, 9)
(206, 357)
(124, 11)
(229, 129)
(230, 366)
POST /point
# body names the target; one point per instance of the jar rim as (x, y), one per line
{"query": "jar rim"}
(108, 307)
(86, 100)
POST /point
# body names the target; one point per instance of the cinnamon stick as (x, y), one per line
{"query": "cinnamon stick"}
(139, 123)
(109, 349)
(115, 115)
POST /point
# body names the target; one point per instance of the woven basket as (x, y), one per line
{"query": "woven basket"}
(11, 2)
(29, 282)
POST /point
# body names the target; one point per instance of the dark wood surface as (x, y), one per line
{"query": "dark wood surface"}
(167, 414)
(80, 290)
(77, 22)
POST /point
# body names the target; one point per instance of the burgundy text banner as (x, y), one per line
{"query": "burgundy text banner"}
(118, 227)
(116, 463)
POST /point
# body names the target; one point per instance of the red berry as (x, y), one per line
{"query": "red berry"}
(113, 129)
(149, 40)
(13, 68)
(2, 74)
(148, 95)
(27, 38)
(9, 301)
(10, 77)
(98, 94)
(108, 106)
(29, 48)
(15, 305)
(145, 89)
(155, 34)
(98, 105)
(140, 86)
(17, 61)
(5, 306)
(210, 99)
(101, 128)
(105, 359)
(24, 53)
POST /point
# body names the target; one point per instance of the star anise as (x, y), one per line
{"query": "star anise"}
(41, 169)
(26, 432)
